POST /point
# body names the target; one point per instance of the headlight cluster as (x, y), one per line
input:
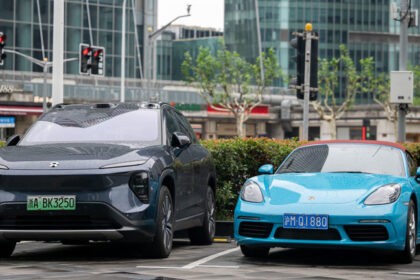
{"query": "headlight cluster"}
(251, 192)
(386, 194)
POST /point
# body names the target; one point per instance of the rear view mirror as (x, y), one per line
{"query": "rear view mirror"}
(266, 169)
(13, 140)
(180, 140)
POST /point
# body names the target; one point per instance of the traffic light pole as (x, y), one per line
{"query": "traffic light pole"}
(307, 84)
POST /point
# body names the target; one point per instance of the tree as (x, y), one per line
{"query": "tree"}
(379, 86)
(229, 83)
(327, 105)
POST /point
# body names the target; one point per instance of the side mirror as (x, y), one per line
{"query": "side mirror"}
(266, 169)
(417, 178)
(13, 140)
(180, 140)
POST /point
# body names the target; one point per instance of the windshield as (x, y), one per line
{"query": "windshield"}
(345, 158)
(133, 127)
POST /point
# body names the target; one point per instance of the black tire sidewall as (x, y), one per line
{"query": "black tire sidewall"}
(158, 243)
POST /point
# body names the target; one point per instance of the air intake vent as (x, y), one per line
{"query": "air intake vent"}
(103, 105)
(367, 232)
(255, 229)
(307, 234)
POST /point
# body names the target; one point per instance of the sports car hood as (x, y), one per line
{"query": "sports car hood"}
(81, 156)
(322, 187)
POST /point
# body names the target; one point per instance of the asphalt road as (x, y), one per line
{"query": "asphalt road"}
(39, 260)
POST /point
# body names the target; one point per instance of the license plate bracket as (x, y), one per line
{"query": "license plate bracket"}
(305, 221)
(50, 202)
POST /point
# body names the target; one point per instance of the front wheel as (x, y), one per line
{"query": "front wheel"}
(6, 248)
(255, 251)
(409, 253)
(204, 235)
(162, 244)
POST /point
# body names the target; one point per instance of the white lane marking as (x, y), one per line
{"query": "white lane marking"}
(408, 273)
(158, 267)
(209, 258)
(220, 266)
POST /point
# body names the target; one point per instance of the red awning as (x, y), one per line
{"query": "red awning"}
(20, 110)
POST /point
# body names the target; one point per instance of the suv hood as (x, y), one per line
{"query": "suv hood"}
(80, 156)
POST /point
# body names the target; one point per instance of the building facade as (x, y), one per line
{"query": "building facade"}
(364, 27)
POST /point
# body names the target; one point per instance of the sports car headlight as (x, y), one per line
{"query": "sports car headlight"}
(386, 194)
(251, 192)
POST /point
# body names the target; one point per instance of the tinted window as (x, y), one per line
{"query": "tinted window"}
(412, 166)
(186, 127)
(346, 158)
(171, 125)
(135, 127)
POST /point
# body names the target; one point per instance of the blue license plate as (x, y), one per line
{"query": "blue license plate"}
(305, 221)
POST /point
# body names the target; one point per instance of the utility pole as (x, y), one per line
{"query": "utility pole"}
(58, 53)
(123, 52)
(402, 108)
(307, 81)
(257, 15)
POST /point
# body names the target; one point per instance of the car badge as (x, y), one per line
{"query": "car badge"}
(54, 164)
(311, 198)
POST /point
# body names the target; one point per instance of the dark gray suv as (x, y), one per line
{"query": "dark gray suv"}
(119, 172)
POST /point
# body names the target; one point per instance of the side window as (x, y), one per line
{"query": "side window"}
(171, 125)
(185, 125)
(412, 165)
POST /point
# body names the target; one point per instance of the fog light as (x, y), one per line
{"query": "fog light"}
(139, 184)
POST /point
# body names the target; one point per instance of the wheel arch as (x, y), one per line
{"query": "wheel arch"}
(167, 179)
(212, 183)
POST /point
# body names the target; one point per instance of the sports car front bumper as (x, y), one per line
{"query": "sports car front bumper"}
(350, 225)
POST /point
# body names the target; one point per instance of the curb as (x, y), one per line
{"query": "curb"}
(223, 228)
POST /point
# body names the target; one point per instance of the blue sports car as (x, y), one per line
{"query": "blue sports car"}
(333, 193)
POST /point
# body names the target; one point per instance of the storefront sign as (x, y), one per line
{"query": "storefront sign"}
(188, 107)
(10, 88)
(7, 121)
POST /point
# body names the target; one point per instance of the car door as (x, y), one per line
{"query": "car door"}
(200, 173)
(412, 169)
(182, 165)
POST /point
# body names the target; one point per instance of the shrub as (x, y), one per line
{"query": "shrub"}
(238, 159)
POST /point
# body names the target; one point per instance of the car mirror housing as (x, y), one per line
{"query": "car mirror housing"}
(418, 175)
(180, 140)
(13, 140)
(266, 169)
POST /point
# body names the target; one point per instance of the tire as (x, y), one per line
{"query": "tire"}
(161, 246)
(255, 251)
(409, 253)
(7, 248)
(204, 235)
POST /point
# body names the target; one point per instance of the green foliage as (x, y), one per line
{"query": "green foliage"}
(229, 81)
(238, 159)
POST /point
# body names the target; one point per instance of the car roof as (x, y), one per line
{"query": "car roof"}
(140, 105)
(383, 143)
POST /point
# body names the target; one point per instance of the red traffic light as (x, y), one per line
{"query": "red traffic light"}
(3, 38)
(97, 53)
(87, 51)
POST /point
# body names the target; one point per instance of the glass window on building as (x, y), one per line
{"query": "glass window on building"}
(7, 9)
(23, 13)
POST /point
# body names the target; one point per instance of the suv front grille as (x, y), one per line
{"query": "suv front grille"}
(255, 229)
(307, 234)
(367, 232)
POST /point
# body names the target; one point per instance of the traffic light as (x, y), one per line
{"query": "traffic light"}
(2, 44)
(366, 129)
(297, 83)
(97, 64)
(85, 52)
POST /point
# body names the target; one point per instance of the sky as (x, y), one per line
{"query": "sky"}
(204, 13)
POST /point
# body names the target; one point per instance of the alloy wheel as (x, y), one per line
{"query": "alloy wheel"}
(211, 213)
(167, 222)
(412, 231)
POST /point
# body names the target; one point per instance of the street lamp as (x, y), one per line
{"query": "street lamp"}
(150, 45)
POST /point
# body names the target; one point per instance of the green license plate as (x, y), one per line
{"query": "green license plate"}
(51, 202)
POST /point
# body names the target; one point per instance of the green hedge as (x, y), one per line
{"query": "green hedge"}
(239, 159)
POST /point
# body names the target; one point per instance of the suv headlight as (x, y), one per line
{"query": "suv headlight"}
(386, 194)
(251, 192)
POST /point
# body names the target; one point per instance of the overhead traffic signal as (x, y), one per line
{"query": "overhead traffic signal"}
(2, 44)
(97, 61)
(85, 53)
(313, 94)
